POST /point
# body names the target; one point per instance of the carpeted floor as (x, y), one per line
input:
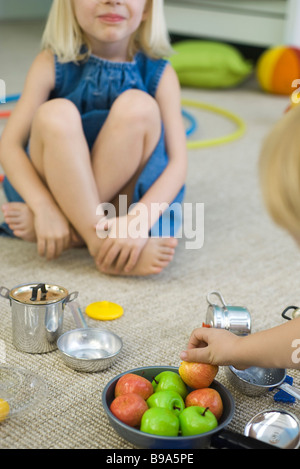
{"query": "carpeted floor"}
(244, 256)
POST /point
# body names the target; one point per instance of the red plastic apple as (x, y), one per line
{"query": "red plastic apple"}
(198, 375)
(129, 408)
(206, 397)
(131, 383)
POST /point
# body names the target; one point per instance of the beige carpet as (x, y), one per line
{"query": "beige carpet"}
(244, 256)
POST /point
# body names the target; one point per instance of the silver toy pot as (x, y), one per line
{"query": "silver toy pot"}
(235, 319)
(37, 315)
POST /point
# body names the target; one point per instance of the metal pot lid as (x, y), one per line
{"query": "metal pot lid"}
(38, 293)
(276, 427)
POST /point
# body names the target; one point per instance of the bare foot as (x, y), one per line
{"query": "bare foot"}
(156, 255)
(19, 218)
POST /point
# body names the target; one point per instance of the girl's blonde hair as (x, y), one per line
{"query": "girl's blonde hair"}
(64, 37)
(279, 167)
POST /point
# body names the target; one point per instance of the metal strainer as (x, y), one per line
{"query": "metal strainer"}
(255, 381)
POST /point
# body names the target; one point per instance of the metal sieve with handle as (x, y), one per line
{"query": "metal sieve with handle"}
(255, 381)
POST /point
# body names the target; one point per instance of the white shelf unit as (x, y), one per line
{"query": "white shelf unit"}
(256, 23)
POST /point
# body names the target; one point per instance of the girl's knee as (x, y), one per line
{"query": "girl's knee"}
(57, 115)
(137, 107)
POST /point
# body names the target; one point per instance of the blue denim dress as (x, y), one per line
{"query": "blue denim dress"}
(93, 85)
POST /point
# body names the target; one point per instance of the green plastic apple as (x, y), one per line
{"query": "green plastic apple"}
(195, 420)
(168, 400)
(159, 421)
(169, 381)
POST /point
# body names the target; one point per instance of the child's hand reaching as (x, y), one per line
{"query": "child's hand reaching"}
(213, 346)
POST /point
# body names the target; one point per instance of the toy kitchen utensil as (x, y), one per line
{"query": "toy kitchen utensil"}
(295, 313)
(22, 389)
(235, 319)
(275, 427)
(87, 349)
(219, 437)
(37, 315)
(255, 381)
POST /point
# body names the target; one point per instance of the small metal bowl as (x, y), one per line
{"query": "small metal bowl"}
(89, 350)
(146, 440)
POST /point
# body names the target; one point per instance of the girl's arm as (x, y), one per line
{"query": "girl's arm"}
(278, 347)
(16, 164)
(39, 82)
(167, 186)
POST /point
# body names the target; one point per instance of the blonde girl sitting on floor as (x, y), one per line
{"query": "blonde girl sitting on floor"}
(278, 347)
(99, 117)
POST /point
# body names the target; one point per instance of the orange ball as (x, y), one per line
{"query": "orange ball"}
(277, 68)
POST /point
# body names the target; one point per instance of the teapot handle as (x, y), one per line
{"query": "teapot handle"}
(6, 292)
(219, 295)
(283, 314)
(71, 297)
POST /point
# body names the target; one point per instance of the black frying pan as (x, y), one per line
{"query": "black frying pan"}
(217, 438)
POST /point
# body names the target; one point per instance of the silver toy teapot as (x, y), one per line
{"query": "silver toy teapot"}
(235, 319)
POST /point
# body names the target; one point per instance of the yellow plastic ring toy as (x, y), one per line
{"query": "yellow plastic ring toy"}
(241, 126)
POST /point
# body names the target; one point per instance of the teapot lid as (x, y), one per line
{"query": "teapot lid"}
(38, 293)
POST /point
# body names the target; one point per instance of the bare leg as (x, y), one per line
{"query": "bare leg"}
(60, 154)
(121, 150)
(125, 143)
(57, 141)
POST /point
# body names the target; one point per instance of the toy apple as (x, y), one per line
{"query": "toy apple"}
(206, 397)
(168, 400)
(198, 375)
(129, 408)
(159, 421)
(169, 381)
(131, 383)
(195, 420)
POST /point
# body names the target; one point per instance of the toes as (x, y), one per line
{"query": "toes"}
(170, 242)
(12, 222)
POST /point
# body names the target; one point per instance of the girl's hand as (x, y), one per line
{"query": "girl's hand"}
(213, 346)
(52, 232)
(121, 247)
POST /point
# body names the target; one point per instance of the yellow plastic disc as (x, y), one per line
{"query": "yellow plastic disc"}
(104, 311)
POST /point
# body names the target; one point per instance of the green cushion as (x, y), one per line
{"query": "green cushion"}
(206, 64)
